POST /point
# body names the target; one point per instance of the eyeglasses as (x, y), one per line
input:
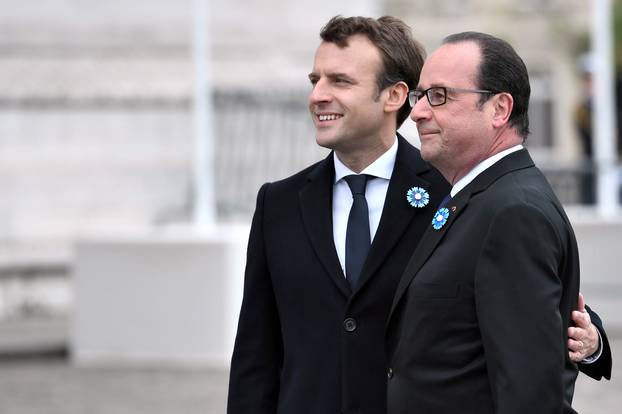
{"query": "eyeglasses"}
(437, 95)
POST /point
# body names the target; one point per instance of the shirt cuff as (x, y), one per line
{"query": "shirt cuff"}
(594, 357)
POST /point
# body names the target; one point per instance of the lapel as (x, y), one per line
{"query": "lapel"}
(396, 213)
(431, 238)
(317, 215)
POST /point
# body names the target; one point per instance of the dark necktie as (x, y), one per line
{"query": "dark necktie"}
(357, 234)
(445, 201)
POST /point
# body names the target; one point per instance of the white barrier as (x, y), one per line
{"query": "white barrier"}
(158, 298)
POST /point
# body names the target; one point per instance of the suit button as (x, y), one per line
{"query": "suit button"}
(349, 324)
(390, 373)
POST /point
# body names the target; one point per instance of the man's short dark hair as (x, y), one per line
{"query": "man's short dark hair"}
(402, 55)
(501, 70)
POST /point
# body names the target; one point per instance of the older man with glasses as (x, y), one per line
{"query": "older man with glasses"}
(479, 320)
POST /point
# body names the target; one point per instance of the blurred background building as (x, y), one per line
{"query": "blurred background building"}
(96, 121)
(96, 107)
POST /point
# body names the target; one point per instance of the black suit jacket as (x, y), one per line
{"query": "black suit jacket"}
(307, 344)
(479, 321)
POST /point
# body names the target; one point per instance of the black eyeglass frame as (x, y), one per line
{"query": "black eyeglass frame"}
(416, 94)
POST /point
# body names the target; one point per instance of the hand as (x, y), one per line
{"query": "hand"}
(582, 338)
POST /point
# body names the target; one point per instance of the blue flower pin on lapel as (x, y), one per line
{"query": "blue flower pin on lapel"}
(417, 197)
(440, 218)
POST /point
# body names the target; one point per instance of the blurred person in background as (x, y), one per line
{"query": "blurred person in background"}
(583, 112)
(583, 122)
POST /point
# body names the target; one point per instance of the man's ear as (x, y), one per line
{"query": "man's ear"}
(396, 96)
(502, 106)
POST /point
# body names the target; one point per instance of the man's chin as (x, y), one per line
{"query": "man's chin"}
(325, 141)
(427, 154)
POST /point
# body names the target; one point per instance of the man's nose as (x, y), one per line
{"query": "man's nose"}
(421, 110)
(320, 93)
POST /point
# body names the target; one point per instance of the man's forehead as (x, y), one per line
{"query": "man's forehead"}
(358, 55)
(451, 64)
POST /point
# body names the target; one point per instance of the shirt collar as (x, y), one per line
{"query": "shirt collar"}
(481, 167)
(381, 168)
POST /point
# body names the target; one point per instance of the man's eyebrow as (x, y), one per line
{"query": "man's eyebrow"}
(331, 75)
(432, 85)
(339, 75)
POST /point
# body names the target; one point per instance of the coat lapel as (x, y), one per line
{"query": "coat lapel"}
(397, 213)
(432, 238)
(317, 216)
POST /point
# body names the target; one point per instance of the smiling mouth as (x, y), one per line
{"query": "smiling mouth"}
(328, 117)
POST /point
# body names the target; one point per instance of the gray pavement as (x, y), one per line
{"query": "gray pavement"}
(46, 383)
(53, 386)
(601, 397)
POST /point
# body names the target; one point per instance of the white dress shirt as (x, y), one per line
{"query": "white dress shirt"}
(375, 193)
(481, 167)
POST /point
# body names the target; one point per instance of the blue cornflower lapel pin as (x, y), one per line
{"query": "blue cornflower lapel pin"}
(440, 218)
(417, 197)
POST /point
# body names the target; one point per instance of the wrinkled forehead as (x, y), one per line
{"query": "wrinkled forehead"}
(452, 65)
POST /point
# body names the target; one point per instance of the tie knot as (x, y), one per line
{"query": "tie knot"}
(357, 183)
